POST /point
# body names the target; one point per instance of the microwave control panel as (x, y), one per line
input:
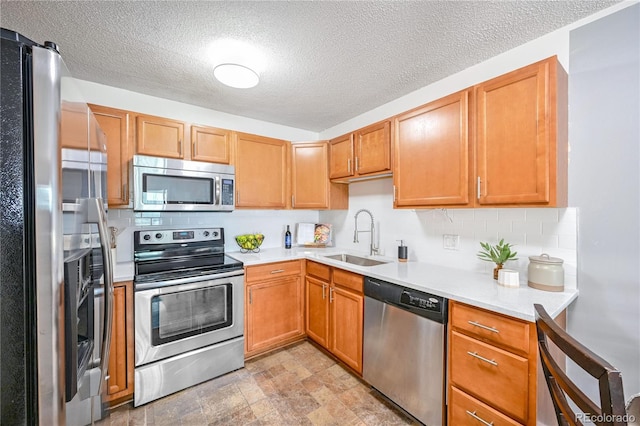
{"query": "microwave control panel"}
(226, 198)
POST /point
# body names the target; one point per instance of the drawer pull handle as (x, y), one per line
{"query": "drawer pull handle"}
(277, 271)
(475, 355)
(478, 418)
(477, 324)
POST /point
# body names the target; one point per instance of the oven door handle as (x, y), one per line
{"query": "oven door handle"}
(189, 280)
(94, 208)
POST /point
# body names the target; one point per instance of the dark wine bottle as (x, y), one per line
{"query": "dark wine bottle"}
(287, 238)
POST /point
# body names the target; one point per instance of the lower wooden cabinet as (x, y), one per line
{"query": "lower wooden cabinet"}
(492, 368)
(317, 318)
(121, 355)
(346, 321)
(274, 306)
(335, 312)
(466, 410)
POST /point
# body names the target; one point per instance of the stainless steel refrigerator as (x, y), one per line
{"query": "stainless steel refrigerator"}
(56, 286)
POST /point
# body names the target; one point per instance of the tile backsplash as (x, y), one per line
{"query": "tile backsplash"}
(271, 223)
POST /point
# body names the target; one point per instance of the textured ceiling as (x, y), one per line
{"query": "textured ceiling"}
(325, 61)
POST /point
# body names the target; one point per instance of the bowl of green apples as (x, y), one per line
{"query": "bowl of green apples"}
(249, 242)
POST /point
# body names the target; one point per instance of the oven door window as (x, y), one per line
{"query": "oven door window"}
(168, 189)
(183, 314)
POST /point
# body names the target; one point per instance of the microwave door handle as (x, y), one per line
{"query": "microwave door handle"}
(218, 194)
(96, 214)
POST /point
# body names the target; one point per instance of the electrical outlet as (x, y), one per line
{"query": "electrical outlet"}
(451, 242)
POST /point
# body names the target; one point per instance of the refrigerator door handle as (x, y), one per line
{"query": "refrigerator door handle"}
(96, 214)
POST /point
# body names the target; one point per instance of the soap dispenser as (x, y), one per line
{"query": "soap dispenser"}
(402, 252)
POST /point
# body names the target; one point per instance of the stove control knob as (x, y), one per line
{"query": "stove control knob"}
(215, 233)
(146, 237)
(159, 236)
(205, 233)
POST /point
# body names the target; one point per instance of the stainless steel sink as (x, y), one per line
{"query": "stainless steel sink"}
(355, 260)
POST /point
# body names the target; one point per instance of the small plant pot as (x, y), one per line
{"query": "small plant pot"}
(496, 270)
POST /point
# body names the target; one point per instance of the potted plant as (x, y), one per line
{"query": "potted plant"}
(497, 254)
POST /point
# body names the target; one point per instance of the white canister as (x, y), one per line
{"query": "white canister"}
(546, 273)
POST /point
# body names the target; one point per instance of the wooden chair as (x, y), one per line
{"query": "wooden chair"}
(611, 409)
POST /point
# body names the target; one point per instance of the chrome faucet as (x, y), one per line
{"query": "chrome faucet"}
(372, 248)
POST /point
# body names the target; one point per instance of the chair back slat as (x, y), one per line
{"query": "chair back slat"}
(583, 402)
(565, 395)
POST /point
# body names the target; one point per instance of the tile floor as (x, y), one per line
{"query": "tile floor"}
(296, 385)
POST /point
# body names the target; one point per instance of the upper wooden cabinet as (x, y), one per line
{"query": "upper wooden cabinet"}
(74, 125)
(77, 129)
(363, 153)
(501, 143)
(342, 164)
(116, 125)
(261, 171)
(310, 184)
(159, 137)
(210, 144)
(373, 149)
(521, 137)
(432, 149)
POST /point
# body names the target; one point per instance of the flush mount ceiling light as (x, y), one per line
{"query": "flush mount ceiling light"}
(236, 63)
(236, 75)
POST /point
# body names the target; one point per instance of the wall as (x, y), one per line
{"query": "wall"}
(533, 231)
(604, 185)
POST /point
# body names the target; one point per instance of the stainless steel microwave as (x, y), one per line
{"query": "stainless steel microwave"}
(163, 184)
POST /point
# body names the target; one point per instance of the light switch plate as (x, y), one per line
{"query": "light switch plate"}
(451, 242)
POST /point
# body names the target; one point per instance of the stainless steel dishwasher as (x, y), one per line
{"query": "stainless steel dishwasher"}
(404, 348)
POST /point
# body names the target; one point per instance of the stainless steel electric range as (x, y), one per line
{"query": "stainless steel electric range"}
(189, 310)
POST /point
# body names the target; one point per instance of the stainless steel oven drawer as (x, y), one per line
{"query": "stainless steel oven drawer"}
(162, 378)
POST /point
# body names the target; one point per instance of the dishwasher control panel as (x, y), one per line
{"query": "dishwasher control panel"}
(421, 301)
(418, 302)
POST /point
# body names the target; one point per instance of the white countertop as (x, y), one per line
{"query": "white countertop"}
(473, 288)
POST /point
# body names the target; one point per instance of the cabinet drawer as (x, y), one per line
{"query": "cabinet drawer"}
(506, 332)
(465, 410)
(493, 375)
(319, 270)
(272, 270)
(348, 280)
